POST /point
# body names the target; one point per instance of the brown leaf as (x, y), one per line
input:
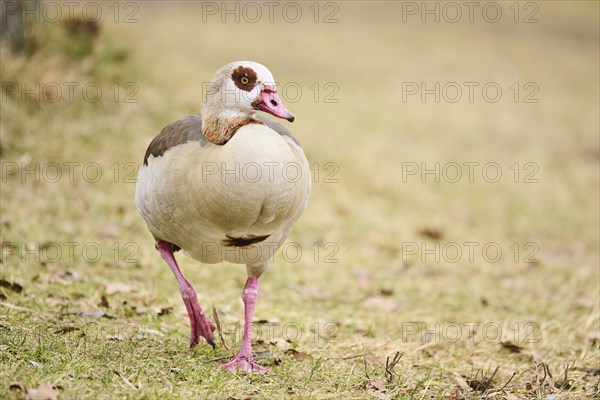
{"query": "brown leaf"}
(164, 311)
(15, 287)
(17, 387)
(593, 371)
(298, 355)
(479, 386)
(513, 348)
(103, 302)
(65, 329)
(42, 392)
(431, 233)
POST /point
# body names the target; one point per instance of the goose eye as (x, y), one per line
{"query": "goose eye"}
(244, 80)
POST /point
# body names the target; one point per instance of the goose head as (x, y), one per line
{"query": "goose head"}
(241, 88)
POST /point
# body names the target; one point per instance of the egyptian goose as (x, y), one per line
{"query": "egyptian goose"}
(225, 185)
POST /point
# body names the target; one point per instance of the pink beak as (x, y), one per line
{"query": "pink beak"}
(269, 102)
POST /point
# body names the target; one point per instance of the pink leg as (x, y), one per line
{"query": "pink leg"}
(200, 324)
(243, 359)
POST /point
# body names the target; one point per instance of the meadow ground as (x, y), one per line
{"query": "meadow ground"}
(454, 216)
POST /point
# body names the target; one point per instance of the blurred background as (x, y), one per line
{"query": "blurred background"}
(455, 156)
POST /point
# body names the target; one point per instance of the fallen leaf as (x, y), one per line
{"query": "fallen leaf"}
(479, 386)
(513, 348)
(461, 382)
(110, 232)
(364, 331)
(373, 358)
(139, 310)
(431, 233)
(263, 355)
(298, 355)
(378, 395)
(15, 287)
(87, 314)
(95, 314)
(379, 384)
(42, 392)
(250, 395)
(118, 287)
(164, 311)
(104, 302)
(65, 329)
(17, 387)
(58, 275)
(59, 301)
(280, 343)
(533, 264)
(152, 332)
(363, 277)
(118, 337)
(593, 371)
(380, 302)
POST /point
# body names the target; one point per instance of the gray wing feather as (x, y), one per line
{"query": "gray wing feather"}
(176, 133)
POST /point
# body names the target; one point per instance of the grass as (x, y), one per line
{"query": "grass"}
(112, 325)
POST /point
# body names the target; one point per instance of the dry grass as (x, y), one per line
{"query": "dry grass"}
(384, 293)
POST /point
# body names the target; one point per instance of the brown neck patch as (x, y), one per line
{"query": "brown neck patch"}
(244, 78)
(220, 131)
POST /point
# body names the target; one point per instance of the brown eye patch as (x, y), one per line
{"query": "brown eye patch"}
(244, 78)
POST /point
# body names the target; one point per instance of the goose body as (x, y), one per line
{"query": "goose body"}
(225, 185)
(202, 197)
